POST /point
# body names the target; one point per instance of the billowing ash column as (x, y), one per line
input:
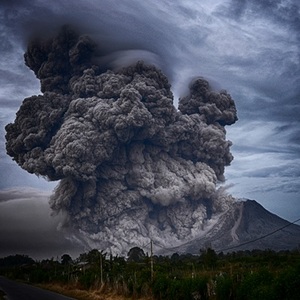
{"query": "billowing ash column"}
(131, 166)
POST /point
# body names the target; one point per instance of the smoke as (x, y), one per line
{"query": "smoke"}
(131, 166)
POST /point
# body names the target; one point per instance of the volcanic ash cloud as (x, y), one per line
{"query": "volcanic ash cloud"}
(131, 166)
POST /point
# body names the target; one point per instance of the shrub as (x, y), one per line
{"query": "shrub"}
(224, 287)
(288, 283)
(180, 289)
(257, 286)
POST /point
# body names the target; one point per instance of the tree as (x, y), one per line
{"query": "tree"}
(16, 260)
(93, 257)
(209, 258)
(136, 254)
(175, 257)
(66, 259)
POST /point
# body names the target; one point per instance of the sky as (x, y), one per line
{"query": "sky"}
(249, 48)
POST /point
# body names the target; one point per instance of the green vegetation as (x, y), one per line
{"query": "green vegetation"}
(243, 275)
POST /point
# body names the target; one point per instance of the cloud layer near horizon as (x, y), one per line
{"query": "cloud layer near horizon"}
(27, 227)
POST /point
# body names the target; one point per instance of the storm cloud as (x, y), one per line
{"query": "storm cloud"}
(131, 166)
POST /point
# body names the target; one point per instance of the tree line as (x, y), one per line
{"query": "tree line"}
(237, 275)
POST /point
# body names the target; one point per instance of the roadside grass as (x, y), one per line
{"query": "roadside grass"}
(84, 294)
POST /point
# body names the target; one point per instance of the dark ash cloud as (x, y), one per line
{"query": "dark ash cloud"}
(253, 52)
(130, 165)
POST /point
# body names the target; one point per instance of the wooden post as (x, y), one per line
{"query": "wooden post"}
(101, 269)
(151, 260)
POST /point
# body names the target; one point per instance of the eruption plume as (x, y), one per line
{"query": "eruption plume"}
(131, 166)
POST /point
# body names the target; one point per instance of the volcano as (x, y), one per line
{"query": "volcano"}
(130, 165)
(246, 225)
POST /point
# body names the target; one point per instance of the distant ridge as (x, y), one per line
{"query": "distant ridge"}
(246, 225)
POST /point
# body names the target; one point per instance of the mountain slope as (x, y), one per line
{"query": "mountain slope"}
(246, 225)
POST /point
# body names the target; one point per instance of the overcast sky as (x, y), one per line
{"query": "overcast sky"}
(249, 48)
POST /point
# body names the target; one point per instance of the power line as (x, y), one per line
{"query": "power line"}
(225, 249)
(260, 238)
(171, 250)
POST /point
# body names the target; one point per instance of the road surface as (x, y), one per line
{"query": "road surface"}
(20, 291)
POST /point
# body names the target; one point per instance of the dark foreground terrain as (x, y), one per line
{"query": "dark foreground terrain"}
(255, 274)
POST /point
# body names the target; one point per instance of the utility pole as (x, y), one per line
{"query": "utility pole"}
(151, 260)
(101, 269)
